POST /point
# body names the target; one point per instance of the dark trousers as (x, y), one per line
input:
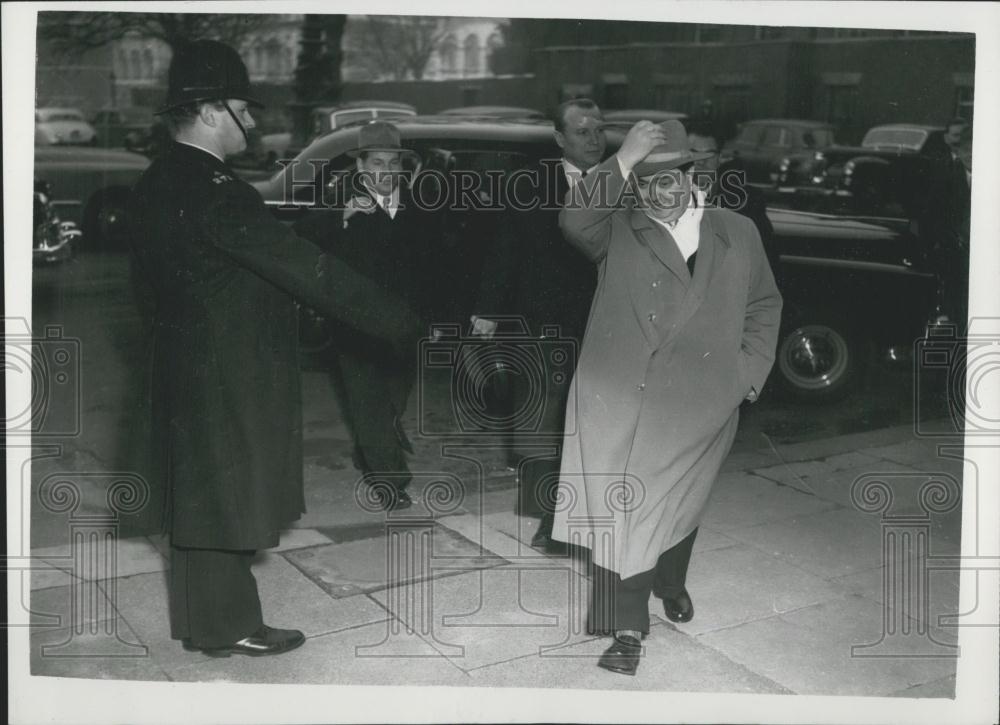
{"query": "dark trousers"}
(383, 465)
(618, 604)
(213, 596)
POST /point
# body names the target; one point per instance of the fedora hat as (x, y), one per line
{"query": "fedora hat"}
(380, 136)
(676, 151)
(206, 70)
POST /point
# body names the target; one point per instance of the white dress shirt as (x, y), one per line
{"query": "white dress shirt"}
(573, 172)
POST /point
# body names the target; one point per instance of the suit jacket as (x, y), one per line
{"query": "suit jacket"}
(667, 359)
(400, 255)
(531, 270)
(221, 277)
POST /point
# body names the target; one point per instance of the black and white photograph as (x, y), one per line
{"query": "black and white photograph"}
(585, 364)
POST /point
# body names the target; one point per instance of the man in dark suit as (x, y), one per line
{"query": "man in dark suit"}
(384, 234)
(533, 273)
(220, 277)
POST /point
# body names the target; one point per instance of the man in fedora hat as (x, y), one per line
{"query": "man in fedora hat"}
(682, 330)
(383, 233)
(220, 277)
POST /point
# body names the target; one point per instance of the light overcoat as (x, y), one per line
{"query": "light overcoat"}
(666, 361)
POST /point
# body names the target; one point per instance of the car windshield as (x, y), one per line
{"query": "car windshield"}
(345, 118)
(61, 116)
(907, 138)
(817, 138)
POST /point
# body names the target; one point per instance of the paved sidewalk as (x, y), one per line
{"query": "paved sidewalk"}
(788, 574)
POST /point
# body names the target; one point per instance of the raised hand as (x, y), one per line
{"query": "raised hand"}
(642, 138)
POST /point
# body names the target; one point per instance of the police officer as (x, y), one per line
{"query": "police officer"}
(223, 276)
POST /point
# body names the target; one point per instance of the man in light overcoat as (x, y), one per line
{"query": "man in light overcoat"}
(682, 330)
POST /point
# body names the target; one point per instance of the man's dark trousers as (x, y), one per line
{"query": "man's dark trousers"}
(618, 604)
(213, 596)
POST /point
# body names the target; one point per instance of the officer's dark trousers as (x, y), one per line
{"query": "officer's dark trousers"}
(617, 604)
(213, 596)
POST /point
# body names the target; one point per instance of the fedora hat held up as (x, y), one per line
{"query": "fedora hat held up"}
(675, 152)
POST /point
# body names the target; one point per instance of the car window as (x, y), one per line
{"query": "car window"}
(344, 118)
(393, 113)
(750, 134)
(900, 138)
(64, 116)
(821, 137)
(775, 136)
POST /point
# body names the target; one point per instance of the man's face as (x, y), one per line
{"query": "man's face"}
(707, 167)
(230, 136)
(381, 170)
(953, 134)
(665, 195)
(583, 140)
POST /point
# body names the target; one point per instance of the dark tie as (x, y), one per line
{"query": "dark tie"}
(690, 262)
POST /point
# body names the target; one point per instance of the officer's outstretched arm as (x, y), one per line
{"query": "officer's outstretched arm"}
(240, 225)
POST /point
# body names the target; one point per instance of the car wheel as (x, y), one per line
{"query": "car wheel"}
(818, 359)
(104, 226)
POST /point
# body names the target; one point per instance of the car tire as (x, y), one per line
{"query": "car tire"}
(104, 227)
(819, 359)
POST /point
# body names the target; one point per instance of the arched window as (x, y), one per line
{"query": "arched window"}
(258, 59)
(135, 64)
(147, 63)
(122, 69)
(471, 64)
(286, 64)
(448, 52)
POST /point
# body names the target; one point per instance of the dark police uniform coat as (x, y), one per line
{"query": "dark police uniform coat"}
(223, 276)
(399, 254)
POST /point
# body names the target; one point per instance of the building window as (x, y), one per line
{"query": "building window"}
(147, 63)
(471, 60)
(964, 102)
(673, 98)
(569, 91)
(842, 105)
(135, 64)
(448, 53)
(123, 65)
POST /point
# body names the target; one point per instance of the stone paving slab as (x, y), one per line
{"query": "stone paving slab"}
(943, 688)
(348, 569)
(741, 584)
(132, 556)
(672, 662)
(809, 651)
(66, 606)
(827, 544)
(493, 615)
(109, 653)
(742, 500)
(941, 600)
(335, 659)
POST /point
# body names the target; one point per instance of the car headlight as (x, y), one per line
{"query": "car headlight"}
(848, 168)
(785, 163)
(818, 156)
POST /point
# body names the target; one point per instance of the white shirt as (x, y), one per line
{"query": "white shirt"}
(573, 172)
(202, 148)
(686, 229)
(389, 204)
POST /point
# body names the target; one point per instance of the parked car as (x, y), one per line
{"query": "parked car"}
(330, 118)
(494, 112)
(62, 126)
(52, 238)
(852, 286)
(888, 174)
(760, 146)
(122, 127)
(90, 187)
(630, 117)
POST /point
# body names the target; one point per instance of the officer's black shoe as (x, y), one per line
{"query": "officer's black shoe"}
(679, 607)
(622, 656)
(265, 641)
(543, 536)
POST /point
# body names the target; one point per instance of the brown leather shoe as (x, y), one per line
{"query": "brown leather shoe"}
(265, 641)
(679, 608)
(622, 656)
